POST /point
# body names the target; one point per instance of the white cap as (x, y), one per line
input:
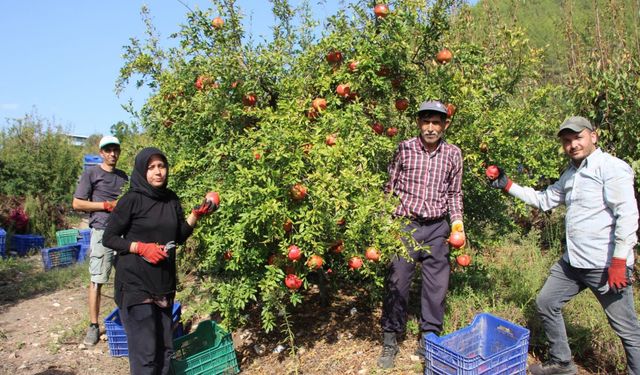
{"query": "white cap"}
(109, 140)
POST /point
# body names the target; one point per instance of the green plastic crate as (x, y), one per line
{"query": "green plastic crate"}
(206, 351)
(67, 237)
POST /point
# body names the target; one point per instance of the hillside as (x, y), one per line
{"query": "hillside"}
(567, 30)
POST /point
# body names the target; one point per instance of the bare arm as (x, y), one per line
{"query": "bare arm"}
(87, 206)
(192, 220)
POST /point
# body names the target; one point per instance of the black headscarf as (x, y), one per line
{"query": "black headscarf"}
(139, 175)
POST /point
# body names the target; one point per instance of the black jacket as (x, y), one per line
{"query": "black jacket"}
(145, 214)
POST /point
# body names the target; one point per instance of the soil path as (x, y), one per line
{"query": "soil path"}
(43, 335)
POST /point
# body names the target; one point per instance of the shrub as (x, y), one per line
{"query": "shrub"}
(45, 217)
(37, 158)
(9, 206)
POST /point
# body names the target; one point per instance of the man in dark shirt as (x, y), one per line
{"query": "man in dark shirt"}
(96, 193)
(426, 175)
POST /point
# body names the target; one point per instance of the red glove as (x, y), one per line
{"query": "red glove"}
(109, 205)
(618, 273)
(497, 178)
(203, 209)
(151, 252)
(209, 204)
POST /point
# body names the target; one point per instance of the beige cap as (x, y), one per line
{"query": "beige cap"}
(575, 124)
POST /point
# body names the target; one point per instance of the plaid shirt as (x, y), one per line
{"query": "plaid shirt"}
(428, 184)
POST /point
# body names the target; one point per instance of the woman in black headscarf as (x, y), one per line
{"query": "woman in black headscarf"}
(143, 229)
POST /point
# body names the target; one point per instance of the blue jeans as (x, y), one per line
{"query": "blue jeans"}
(565, 282)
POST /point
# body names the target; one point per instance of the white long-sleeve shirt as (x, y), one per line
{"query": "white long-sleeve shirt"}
(602, 214)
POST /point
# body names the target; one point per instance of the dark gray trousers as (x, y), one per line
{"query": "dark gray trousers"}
(434, 264)
(564, 283)
(149, 336)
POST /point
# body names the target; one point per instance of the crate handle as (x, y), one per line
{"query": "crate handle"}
(440, 365)
(506, 330)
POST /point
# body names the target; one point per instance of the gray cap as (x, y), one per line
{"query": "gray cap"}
(432, 106)
(575, 124)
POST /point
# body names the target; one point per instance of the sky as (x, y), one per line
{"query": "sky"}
(60, 59)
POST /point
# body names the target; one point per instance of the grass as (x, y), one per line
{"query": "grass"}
(22, 278)
(501, 280)
(74, 219)
(67, 335)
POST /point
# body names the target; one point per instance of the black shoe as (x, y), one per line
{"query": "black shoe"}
(421, 349)
(389, 351)
(552, 367)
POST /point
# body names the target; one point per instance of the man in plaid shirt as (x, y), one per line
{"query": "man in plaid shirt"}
(426, 175)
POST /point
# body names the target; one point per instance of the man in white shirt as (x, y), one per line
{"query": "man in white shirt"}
(601, 224)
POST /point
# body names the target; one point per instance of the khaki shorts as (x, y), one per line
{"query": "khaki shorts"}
(100, 258)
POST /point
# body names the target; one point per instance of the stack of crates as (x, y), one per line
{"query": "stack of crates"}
(208, 350)
(117, 337)
(90, 161)
(3, 241)
(81, 237)
(490, 346)
(21, 243)
(84, 240)
(67, 237)
(61, 256)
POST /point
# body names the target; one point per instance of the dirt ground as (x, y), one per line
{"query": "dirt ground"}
(33, 329)
(43, 335)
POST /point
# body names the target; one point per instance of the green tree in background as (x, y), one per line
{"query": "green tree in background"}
(591, 54)
(90, 145)
(604, 77)
(37, 158)
(556, 26)
(132, 139)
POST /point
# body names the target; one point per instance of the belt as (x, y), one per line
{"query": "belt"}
(423, 221)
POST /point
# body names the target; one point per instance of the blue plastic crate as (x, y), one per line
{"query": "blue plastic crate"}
(84, 239)
(92, 158)
(90, 161)
(117, 337)
(83, 253)
(3, 238)
(490, 345)
(22, 243)
(59, 256)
